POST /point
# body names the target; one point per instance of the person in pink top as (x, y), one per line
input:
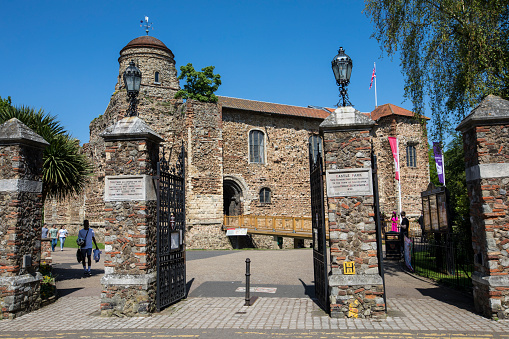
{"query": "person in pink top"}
(394, 222)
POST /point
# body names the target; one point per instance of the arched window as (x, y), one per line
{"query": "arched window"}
(411, 160)
(156, 77)
(315, 146)
(265, 195)
(256, 147)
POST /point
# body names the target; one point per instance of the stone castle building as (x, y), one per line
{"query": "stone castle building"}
(243, 157)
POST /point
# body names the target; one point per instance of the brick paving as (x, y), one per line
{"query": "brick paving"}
(413, 305)
(80, 313)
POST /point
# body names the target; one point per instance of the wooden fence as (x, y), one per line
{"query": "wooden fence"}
(298, 227)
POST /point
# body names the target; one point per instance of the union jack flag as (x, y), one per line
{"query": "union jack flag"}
(373, 75)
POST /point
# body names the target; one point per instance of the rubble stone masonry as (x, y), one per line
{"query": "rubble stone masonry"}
(347, 145)
(20, 218)
(486, 146)
(129, 284)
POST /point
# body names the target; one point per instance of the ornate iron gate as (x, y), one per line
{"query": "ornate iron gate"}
(171, 249)
(379, 225)
(319, 231)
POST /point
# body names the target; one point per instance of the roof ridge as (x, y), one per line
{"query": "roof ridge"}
(267, 102)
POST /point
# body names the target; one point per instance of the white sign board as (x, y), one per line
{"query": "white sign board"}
(124, 188)
(236, 231)
(349, 182)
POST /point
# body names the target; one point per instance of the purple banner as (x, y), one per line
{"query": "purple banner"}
(439, 161)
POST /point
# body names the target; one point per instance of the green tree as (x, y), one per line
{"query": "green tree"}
(65, 168)
(454, 52)
(200, 85)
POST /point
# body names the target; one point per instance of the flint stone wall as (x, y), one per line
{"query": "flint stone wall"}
(20, 218)
(414, 180)
(347, 138)
(486, 146)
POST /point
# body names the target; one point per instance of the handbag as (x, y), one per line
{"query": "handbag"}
(79, 255)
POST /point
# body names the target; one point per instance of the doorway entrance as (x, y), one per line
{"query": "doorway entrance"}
(232, 194)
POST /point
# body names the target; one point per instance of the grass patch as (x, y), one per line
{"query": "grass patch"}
(425, 264)
(70, 242)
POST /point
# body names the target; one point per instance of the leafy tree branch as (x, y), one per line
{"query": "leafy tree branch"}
(200, 85)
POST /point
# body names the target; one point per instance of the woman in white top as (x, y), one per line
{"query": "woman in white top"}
(62, 234)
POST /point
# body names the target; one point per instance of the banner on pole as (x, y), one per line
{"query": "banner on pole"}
(439, 161)
(395, 154)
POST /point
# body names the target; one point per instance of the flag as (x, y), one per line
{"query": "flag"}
(373, 75)
(395, 153)
(439, 161)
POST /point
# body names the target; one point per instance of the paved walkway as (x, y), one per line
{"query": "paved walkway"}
(413, 304)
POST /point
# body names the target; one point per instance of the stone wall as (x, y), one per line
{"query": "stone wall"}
(286, 168)
(347, 139)
(20, 218)
(486, 146)
(414, 180)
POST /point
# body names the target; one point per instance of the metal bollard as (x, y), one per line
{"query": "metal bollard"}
(248, 274)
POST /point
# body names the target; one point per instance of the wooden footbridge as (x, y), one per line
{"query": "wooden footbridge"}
(283, 226)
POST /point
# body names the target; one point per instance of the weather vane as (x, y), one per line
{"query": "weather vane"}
(146, 24)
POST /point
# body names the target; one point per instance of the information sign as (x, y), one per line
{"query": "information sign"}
(124, 189)
(349, 182)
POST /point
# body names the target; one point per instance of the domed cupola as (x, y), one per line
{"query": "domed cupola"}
(156, 63)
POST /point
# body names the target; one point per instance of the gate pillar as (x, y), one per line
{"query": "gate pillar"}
(355, 285)
(486, 145)
(129, 282)
(20, 218)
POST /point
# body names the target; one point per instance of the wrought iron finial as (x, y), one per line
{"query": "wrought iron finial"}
(146, 24)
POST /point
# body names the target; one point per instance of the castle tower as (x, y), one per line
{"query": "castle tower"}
(157, 65)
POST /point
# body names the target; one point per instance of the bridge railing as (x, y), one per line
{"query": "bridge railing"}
(277, 225)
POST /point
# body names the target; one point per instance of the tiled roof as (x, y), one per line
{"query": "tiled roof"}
(267, 107)
(146, 41)
(390, 109)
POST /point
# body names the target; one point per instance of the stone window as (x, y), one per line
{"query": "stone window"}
(156, 78)
(315, 146)
(411, 161)
(265, 195)
(256, 147)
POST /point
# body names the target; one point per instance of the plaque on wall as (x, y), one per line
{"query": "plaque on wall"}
(349, 182)
(124, 188)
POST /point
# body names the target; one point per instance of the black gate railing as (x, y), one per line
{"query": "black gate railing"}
(171, 263)
(379, 223)
(319, 231)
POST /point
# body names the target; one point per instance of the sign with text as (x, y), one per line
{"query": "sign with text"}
(236, 231)
(349, 182)
(124, 188)
(349, 267)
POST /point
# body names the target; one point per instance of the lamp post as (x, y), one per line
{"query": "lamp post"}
(342, 68)
(132, 82)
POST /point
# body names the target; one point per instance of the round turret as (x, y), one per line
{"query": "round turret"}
(157, 65)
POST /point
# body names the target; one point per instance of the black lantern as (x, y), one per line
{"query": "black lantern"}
(132, 82)
(342, 68)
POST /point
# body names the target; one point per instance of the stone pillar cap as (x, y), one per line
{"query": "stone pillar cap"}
(492, 110)
(344, 118)
(130, 128)
(14, 131)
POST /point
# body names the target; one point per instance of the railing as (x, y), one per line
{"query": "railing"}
(447, 260)
(277, 225)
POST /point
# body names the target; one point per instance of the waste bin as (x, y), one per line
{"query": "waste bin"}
(392, 245)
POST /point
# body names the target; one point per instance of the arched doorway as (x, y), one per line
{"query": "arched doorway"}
(232, 194)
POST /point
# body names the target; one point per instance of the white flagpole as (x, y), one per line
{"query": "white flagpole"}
(374, 65)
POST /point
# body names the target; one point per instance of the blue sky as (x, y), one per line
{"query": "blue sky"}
(62, 55)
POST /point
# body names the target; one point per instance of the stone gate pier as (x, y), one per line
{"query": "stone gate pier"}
(486, 144)
(129, 282)
(20, 218)
(355, 285)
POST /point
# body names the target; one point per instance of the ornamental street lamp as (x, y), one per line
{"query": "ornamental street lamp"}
(342, 68)
(132, 82)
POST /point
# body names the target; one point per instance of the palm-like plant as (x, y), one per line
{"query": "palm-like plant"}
(65, 169)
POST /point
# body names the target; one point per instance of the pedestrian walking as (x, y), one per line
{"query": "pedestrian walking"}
(86, 240)
(62, 234)
(403, 230)
(53, 234)
(45, 230)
